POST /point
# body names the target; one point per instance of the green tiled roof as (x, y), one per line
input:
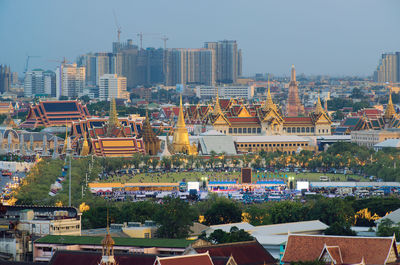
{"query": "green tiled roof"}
(119, 241)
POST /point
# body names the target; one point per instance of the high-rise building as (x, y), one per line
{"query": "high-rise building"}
(112, 86)
(39, 82)
(228, 60)
(5, 78)
(388, 69)
(189, 66)
(70, 80)
(294, 107)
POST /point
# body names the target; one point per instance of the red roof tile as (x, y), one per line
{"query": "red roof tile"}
(250, 252)
(244, 120)
(196, 259)
(374, 250)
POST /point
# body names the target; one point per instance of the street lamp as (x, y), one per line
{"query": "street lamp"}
(204, 180)
(291, 182)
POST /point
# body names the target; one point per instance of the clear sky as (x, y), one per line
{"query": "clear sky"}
(335, 37)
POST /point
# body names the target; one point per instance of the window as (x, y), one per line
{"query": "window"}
(230, 130)
(234, 130)
(254, 130)
(244, 131)
(240, 130)
(273, 145)
(258, 145)
(146, 235)
(258, 130)
(312, 129)
(298, 129)
(303, 130)
(308, 129)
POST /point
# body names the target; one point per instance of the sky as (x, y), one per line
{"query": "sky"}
(329, 37)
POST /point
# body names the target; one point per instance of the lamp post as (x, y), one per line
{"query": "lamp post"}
(291, 182)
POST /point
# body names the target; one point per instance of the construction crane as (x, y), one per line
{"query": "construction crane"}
(63, 61)
(117, 25)
(165, 38)
(140, 35)
(27, 61)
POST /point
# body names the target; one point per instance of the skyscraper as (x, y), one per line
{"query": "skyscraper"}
(112, 86)
(70, 80)
(33, 83)
(5, 78)
(189, 66)
(228, 60)
(294, 107)
(388, 69)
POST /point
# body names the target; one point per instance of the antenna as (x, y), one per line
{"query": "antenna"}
(165, 38)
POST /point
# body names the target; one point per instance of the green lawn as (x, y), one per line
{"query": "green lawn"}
(196, 176)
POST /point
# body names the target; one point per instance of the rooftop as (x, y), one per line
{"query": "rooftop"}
(269, 138)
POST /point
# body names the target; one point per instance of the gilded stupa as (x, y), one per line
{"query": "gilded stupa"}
(150, 139)
(390, 112)
(180, 141)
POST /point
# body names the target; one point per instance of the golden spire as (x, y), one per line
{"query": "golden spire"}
(269, 103)
(181, 119)
(85, 145)
(318, 107)
(113, 118)
(390, 111)
(217, 109)
(180, 142)
(108, 248)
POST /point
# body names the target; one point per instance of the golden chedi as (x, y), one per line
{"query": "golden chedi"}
(180, 142)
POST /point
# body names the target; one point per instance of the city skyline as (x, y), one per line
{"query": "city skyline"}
(332, 38)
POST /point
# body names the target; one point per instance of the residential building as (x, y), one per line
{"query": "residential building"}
(70, 80)
(34, 83)
(228, 60)
(49, 83)
(341, 249)
(225, 91)
(189, 66)
(388, 69)
(5, 78)
(112, 86)
(369, 138)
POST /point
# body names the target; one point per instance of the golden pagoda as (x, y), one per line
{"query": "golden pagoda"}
(150, 139)
(269, 103)
(217, 109)
(85, 145)
(390, 112)
(113, 122)
(180, 141)
(318, 107)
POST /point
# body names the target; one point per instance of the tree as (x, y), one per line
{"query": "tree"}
(287, 211)
(223, 212)
(332, 210)
(235, 235)
(340, 230)
(175, 218)
(154, 163)
(387, 228)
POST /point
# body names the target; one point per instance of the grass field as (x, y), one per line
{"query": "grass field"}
(196, 176)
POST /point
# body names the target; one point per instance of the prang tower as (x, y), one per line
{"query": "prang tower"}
(294, 107)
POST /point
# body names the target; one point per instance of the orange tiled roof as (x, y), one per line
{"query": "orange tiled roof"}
(197, 259)
(374, 250)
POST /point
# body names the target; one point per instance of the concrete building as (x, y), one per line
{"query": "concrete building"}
(228, 60)
(369, 138)
(225, 91)
(5, 78)
(112, 86)
(70, 80)
(34, 83)
(189, 66)
(388, 69)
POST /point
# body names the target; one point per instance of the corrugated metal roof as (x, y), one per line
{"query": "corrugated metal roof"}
(218, 144)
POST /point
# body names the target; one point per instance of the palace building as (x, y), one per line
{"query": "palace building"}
(237, 118)
(112, 137)
(54, 113)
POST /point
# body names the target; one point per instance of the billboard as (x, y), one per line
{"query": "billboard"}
(303, 185)
(193, 186)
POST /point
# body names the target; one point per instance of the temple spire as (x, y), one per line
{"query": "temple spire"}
(113, 116)
(390, 111)
(269, 103)
(217, 109)
(108, 248)
(85, 145)
(318, 106)
(293, 74)
(181, 120)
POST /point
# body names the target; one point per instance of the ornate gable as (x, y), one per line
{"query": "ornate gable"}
(244, 113)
